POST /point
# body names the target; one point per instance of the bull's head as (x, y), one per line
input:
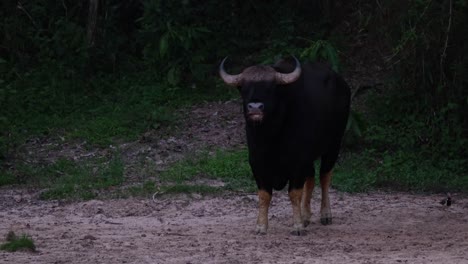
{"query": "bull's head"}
(258, 88)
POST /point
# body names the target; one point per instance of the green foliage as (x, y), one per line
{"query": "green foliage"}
(15, 243)
(427, 104)
(396, 128)
(355, 128)
(231, 167)
(403, 152)
(416, 124)
(183, 39)
(322, 50)
(173, 43)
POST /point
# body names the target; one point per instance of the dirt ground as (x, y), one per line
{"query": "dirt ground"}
(367, 228)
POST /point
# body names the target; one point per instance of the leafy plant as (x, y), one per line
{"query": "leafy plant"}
(178, 48)
(355, 128)
(15, 243)
(322, 50)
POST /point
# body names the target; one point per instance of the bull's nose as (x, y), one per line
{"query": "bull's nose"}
(255, 106)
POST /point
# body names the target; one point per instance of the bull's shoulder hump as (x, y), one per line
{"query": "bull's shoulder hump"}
(317, 71)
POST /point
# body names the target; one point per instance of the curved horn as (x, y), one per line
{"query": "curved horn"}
(285, 78)
(233, 80)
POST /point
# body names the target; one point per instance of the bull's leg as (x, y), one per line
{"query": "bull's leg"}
(295, 195)
(264, 199)
(306, 197)
(325, 210)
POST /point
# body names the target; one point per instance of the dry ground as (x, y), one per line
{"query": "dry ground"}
(367, 228)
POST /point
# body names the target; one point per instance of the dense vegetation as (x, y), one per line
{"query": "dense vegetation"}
(106, 70)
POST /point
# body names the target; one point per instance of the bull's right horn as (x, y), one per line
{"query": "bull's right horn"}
(233, 80)
(285, 78)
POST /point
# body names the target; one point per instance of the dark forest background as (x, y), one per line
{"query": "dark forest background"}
(106, 69)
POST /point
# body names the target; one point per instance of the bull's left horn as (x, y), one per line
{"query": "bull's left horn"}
(233, 80)
(285, 78)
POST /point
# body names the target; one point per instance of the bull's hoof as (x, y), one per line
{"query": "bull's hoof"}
(306, 218)
(296, 232)
(326, 220)
(261, 230)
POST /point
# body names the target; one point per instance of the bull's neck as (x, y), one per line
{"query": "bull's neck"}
(263, 134)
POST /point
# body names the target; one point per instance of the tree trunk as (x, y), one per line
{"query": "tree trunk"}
(92, 22)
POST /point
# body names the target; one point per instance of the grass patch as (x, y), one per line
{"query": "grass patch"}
(230, 167)
(368, 170)
(399, 171)
(84, 180)
(7, 178)
(67, 179)
(15, 243)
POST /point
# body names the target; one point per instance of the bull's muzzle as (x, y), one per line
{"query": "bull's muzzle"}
(255, 111)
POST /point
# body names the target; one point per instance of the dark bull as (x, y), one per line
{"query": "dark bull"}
(294, 115)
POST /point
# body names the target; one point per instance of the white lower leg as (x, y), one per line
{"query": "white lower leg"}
(264, 199)
(296, 196)
(325, 210)
(306, 198)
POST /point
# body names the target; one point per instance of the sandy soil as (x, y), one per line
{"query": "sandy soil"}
(367, 228)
